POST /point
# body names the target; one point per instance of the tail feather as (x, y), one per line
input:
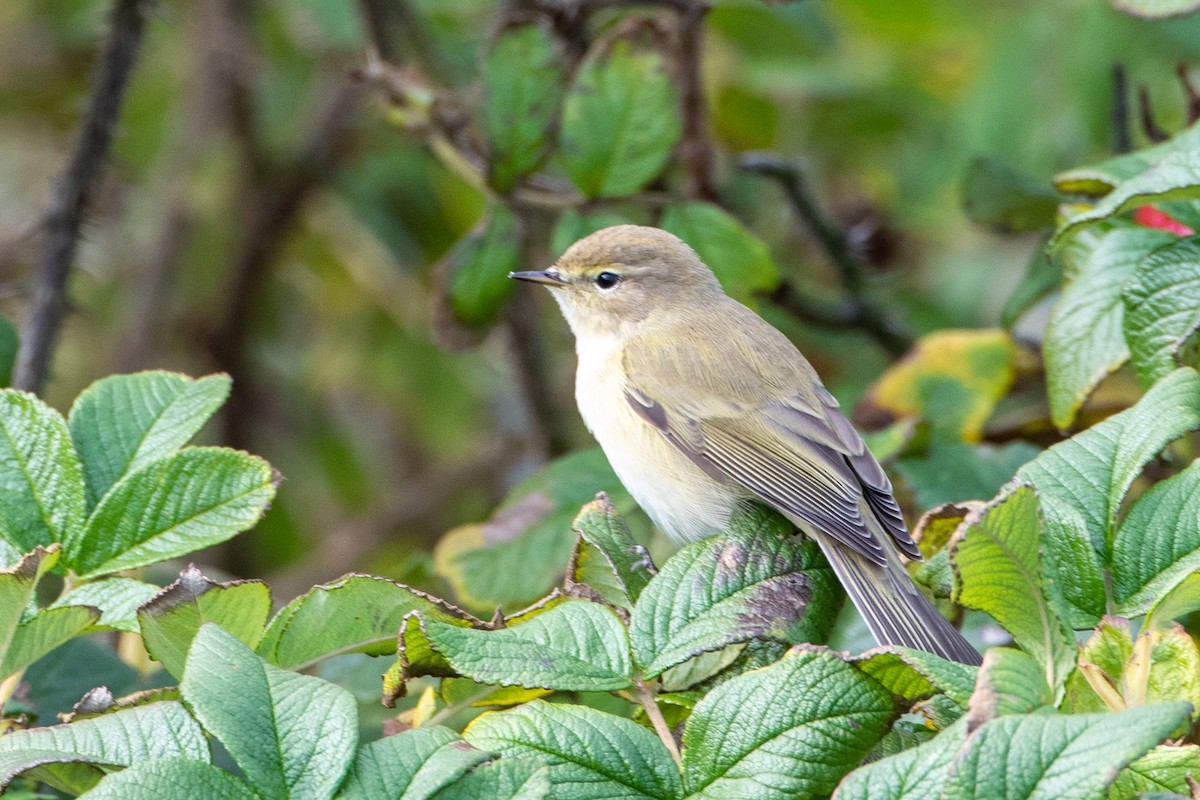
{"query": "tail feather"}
(893, 607)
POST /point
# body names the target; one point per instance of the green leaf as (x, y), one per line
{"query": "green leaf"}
(740, 260)
(745, 740)
(43, 632)
(1162, 307)
(291, 735)
(1156, 9)
(1085, 339)
(1100, 179)
(117, 599)
(479, 264)
(573, 226)
(956, 471)
(591, 755)
(1010, 682)
(159, 730)
(620, 122)
(607, 558)
(1164, 768)
(997, 570)
(522, 88)
(9, 343)
(172, 619)
(196, 498)
(411, 765)
(41, 481)
(356, 614)
(574, 646)
(916, 774)
(510, 779)
(1057, 757)
(1176, 176)
(1183, 599)
(1082, 481)
(1042, 276)
(1158, 543)
(121, 423)
(756, 582)
(914, 674)
(168, 779)
(18, 589)
(1006, 200)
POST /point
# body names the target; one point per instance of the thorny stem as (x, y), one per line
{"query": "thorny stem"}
(645, 696)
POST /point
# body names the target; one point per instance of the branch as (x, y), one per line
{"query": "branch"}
(1122, 139)
(1149, 126)
(860, 311)
(696, 150)
(73, 196)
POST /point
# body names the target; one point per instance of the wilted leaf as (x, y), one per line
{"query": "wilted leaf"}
(739, 259)
(1162, 307)
(1010, 682)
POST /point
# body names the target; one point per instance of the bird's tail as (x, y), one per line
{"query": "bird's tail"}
(893, 607)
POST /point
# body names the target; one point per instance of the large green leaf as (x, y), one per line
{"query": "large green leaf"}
(479, 265)
(740, 260)
(1082, 481)
(508, 779)
(756, 582)
(607, 558)
(1162, 307)
(790, 730)
(574, 646)
(116, 598)
(172, 619)
(356, 614)
(916, 774)
(591, 755)
(997, 570)
(293, 736)
(168, 779)
(43, 632)
(158, 730)
(411, 765)
(18, 588)
(1164, 768)
(41, 481)
(193, 499)
(522, 88)
(121, 423)
(1158, 543)
(620, 122)
(914, 674)
(1057, 757)
(1085, 338)
(1010, 682)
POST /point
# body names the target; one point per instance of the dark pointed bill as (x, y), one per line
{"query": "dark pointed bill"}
(550, 277)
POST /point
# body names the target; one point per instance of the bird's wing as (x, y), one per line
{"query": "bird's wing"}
(762, 420)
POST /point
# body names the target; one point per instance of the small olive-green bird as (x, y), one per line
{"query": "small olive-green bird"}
(701, 405)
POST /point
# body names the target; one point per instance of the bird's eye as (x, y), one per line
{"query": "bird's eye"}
(607, 280)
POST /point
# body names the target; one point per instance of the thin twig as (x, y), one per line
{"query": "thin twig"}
(73, 196)
(380, 39)
(852, 270)
(1189, 92)
(1122, 139)
(696, 150)
(645, 696)
(1146, 114)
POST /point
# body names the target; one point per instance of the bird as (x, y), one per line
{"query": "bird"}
(701, 405)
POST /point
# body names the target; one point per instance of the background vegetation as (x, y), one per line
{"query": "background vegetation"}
(321, 199)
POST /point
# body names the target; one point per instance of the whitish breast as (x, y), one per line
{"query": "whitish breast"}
(681, 499)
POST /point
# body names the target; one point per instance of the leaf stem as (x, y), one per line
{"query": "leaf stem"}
(645, 696)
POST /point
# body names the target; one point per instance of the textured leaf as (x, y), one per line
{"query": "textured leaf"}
(121, 423)
(18, 589)
(293, 736)
(1162, 307)
(1183, 599)
(167, 779)
(741, 741)
(1163, 769)
(172, 619)
(1010, 682)
(591, 755)
(997, 570)
(159, 730)
(1099, 179)
(1085, 338)
(411, 765)
(41, 481)
(196, 498)
(607, 557)
(43, 632)
(619, 123)
(117, 599)
(1158, 543)
(479, 266)
(916, 774)
(357, 614)
(756, 582)
(740, 260)
(914, 674)
(509, 779)
(574, 646)
(1057, 757)
(951, 379)
(1008, 201)
(522, 88)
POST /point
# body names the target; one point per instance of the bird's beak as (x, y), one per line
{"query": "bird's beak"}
(550, 277)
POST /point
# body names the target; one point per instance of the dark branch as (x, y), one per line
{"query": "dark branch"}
(1122, 138)
(73, 195)
(1146, 113)
(859, 310)
(695, 148)
(1190, 92)
(380, 38)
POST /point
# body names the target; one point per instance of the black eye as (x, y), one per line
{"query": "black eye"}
(607, 280)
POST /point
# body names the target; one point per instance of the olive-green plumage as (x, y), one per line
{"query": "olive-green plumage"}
(700, 404)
